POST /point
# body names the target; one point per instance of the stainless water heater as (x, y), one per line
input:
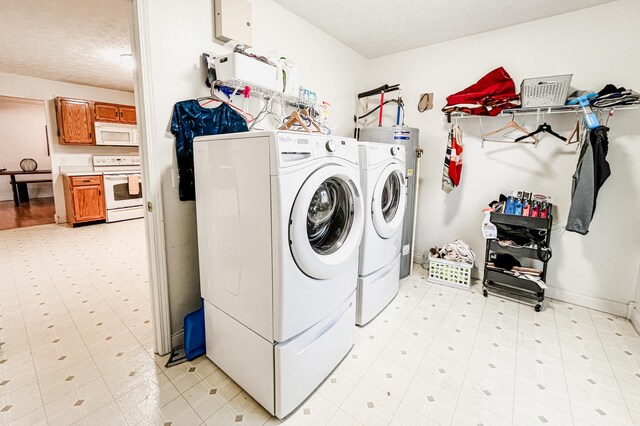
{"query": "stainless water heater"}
(409, 137)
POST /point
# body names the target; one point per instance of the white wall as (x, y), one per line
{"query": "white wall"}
(23, 135)
(597, 45)
(63, 155)
(637, 298)
(634, 312)
(178, 36)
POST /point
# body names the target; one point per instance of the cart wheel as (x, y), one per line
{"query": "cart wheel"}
(538, 307)
(485, 293)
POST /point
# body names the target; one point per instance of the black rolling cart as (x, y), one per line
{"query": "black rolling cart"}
(506, 282)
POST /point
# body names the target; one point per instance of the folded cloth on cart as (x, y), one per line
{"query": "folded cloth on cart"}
(524, 273)
(524, 270)
(457, 251)
(529, 277)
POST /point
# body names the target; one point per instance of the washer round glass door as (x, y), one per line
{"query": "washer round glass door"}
(326, 221)
(388, 203)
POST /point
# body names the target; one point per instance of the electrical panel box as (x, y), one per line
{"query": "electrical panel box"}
(233, 21)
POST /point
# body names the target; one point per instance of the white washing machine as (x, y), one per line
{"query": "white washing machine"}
(280, 218)
(384, 187)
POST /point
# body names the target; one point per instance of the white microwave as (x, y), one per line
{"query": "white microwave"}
(116, 134)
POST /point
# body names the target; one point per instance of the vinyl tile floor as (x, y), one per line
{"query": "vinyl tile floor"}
(76, 347)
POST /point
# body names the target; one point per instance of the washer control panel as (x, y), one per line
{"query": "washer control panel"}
(296, 147)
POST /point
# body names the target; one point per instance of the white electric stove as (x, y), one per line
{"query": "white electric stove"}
(122, 185)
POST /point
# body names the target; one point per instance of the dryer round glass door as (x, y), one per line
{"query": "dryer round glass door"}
(388, 203)
(326, 221)
(390, 198)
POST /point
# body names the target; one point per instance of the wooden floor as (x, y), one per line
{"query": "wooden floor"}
(38, 211)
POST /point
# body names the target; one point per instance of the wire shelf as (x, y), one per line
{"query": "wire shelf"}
(265, 92)
(562, 109)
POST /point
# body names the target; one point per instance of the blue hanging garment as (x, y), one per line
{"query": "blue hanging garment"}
(190, 120)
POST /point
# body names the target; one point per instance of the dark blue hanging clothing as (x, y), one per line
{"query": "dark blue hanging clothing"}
(191, 120)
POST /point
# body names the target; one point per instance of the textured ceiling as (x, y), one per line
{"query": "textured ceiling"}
(381, 27)
(76, 41)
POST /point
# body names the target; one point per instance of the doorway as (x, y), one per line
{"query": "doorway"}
(26, 186)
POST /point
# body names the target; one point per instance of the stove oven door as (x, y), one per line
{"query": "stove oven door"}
(120, 193)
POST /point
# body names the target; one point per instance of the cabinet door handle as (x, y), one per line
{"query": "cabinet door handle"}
(86, 180)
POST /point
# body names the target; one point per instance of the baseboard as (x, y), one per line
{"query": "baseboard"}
(177, 339)
(10, 198)
(609, 306)
(596, 303)
(634, 315)
(604, 305)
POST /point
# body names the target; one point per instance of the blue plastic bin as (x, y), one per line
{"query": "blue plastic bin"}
(194, 341)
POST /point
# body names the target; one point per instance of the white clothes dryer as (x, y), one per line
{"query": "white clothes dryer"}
(383, 178)
(280, 218)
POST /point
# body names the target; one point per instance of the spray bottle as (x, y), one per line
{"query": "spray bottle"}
(489, 230)
(590, 118)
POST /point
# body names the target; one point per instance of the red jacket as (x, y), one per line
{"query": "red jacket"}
(492, 93)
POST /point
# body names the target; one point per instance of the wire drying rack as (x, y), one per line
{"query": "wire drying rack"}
(604, 114)
(561, 109)
(265, 93)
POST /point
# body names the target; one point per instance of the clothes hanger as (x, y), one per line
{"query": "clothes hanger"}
(305, 113)
(543, 128)
(510, 125)
(214, 98)
(295, 118)
(211, 98)
(575, 133)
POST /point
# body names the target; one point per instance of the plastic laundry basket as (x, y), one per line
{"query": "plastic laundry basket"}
(450, 273)
(545, 91)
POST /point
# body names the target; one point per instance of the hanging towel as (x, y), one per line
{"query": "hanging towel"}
(455, 163)
(134, 185)
(591, 173)
(453, 160)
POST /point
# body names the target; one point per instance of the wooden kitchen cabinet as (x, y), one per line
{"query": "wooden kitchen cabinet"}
(107, 113)
(113, 113)
(75, 121)
(84, 199)
(128, 114)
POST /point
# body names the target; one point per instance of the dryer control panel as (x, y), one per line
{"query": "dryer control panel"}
(379, 154)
